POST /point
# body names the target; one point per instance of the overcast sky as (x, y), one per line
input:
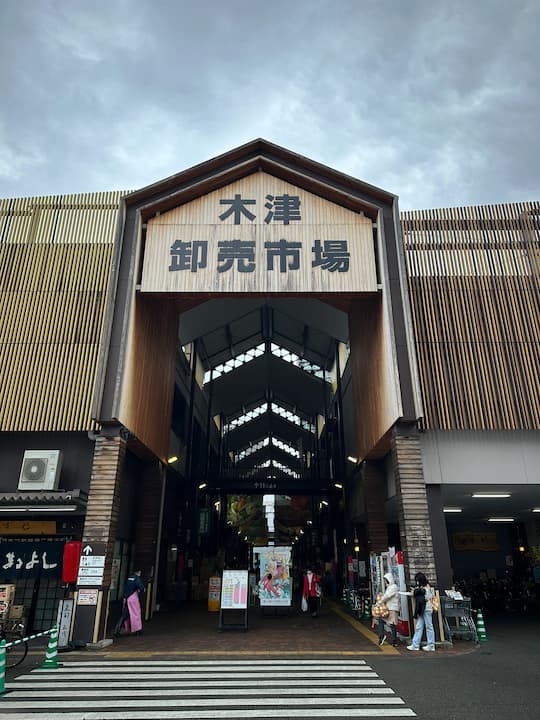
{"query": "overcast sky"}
(436, 101)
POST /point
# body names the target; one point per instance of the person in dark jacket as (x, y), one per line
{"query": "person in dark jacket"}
(131, 606)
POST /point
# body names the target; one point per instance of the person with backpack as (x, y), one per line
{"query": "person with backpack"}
(390, 597)
(423, 595)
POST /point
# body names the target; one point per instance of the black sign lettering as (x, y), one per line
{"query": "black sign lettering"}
(188, 255)
(238, 207)
(334, 256)
(283, 250)
(243, 251)
(282, 208)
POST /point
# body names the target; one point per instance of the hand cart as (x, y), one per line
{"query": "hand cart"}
(457, 619)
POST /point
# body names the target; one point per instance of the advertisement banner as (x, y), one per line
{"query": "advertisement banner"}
(234, 590)
(275, 581)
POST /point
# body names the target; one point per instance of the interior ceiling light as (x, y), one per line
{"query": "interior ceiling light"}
(338, 485)
(352, 459)
(500, 519)
(536, 509)
(172, 459)
(324, 502)
(202, 486)
(490, 495)
(452, 510)
(40, 508)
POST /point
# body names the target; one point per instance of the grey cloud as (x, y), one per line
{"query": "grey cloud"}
(435, 101)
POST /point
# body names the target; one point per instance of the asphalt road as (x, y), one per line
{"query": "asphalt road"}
(498, 681)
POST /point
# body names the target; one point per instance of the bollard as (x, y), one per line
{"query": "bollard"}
(480, 627)
(367, 609)
(2, 667)
(51, 655)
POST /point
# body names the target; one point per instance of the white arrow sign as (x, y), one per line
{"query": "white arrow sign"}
(87, 550)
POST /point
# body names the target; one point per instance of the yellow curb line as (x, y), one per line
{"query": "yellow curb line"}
(248, 653)
(368, 634)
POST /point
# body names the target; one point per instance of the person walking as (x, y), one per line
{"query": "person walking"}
(391, 598)
(131, 606)
(423, 613)
(311, 591)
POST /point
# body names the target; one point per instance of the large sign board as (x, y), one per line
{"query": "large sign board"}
(259, 234)
(275, 581)
(22, 559)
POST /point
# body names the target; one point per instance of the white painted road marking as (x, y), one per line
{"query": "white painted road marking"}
(202, 690)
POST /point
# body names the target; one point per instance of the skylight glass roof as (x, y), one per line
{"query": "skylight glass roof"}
(257, 351)
(265, 442)
(277, 409)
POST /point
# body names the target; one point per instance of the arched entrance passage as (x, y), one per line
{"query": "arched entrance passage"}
(262, 226)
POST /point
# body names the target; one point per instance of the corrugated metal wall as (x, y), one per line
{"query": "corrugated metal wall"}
(474, 287)
(55, 258)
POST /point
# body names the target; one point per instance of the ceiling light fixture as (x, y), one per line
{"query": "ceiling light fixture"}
(491, 495)
(501, 519)
(339, 486)
(202, 486)
(352, 459)
(536, 509)
(172, 459)
(452, 510)
(40, 508)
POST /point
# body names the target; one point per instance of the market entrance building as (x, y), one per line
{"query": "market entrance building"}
(259, 350)
(283, 285)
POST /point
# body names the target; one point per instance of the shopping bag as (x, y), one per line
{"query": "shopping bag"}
(304, 603)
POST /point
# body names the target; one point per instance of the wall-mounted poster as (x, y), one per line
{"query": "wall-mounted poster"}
(275, 580)
(234, 590)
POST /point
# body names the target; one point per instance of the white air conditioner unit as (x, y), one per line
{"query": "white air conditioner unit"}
(40, 470)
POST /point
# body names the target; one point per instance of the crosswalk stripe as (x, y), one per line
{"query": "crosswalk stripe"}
(199, 702)
(149, 674)
(236, 692)
(329, 682)
(168, 690)
(214, 663)
(218, 714)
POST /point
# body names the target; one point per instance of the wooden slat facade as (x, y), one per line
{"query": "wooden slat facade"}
(55, 255)
(473, 278)
(474, 286)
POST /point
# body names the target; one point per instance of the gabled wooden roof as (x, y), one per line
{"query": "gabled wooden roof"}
(260, 155)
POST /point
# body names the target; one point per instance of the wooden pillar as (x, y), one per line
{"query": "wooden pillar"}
(99, 532)
(414, 523)
(148, 524)
(374, 482)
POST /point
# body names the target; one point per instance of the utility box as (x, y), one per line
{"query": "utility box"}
(40, 470)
